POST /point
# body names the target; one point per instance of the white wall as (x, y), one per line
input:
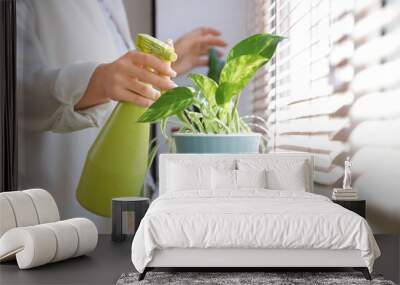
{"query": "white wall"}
(139, 16)
(176, 17)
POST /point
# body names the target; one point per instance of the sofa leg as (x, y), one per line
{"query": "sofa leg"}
(143, 274)
(364, 271)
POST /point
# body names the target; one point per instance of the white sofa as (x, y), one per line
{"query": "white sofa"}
(31, 231)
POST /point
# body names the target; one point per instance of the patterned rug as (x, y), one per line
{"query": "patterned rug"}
(244, 278)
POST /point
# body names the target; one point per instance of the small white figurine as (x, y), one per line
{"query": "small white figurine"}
(347, 174)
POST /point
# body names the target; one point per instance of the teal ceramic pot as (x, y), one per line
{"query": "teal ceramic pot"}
(217, 143)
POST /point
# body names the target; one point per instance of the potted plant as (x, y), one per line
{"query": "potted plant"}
(208, 114)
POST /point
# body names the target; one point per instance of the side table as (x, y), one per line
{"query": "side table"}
(139, 205)
(357, 206)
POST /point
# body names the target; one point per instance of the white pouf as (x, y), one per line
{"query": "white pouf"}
(46, 207)
(67, 238)
(7, 220)
(31, 232)
(22, 207)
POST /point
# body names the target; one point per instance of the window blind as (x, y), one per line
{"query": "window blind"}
(330, 90)
(333, 89)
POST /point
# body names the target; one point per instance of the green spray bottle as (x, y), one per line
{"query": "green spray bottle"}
(116, 163)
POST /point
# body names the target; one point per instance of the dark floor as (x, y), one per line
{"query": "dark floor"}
(110, 260)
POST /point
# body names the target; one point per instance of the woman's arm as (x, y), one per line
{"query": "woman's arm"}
(128, 79)
(74, 96)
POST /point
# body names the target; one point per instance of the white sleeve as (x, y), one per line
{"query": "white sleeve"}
(47, 95)
(70, 84)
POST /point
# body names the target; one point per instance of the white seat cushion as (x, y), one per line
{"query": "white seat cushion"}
(26, 208)
(32, 246)
(67, 239)
(87, 234)
(7, 220)
(46, 207)
(23, 208)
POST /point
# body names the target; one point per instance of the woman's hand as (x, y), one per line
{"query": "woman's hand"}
(128, 79)
(192, 48)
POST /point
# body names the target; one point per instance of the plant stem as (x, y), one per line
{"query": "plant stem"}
(182, 116)
(221, 124)
(235, 106)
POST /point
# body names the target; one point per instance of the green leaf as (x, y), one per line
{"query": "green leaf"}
(170, 103)
(236, 75)
(206, 85)
(225, 92)
(258, 44)
(241, 69)
(215, 64)
(243, 61)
